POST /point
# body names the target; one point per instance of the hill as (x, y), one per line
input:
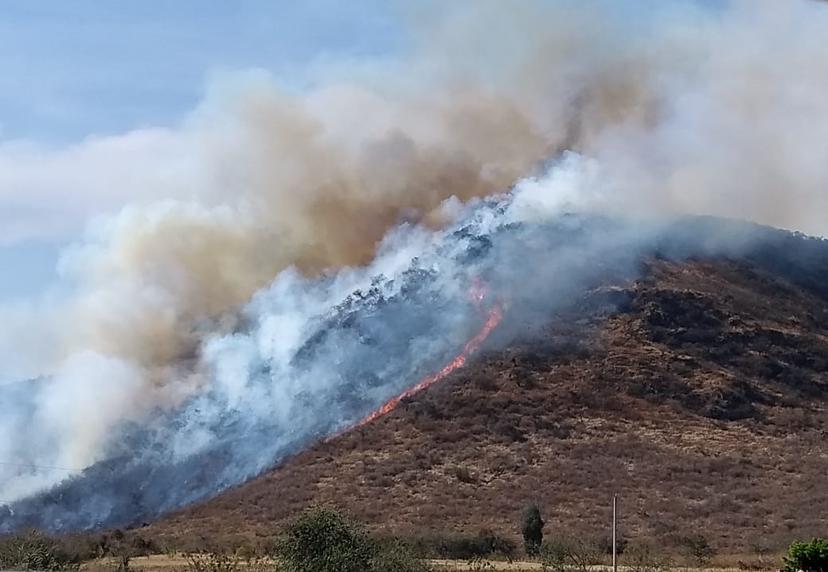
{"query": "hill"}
(696, 391)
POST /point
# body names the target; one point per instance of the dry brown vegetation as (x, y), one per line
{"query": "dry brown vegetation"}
(700, 400)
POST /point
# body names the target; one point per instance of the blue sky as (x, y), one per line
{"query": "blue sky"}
(70, 70)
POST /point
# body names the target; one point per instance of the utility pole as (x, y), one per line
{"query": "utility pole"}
(614, 529)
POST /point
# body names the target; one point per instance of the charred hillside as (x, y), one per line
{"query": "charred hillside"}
(697, 391)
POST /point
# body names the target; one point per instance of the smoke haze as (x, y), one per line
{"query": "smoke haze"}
(223, 242)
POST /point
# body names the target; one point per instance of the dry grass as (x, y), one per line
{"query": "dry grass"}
(176, 563)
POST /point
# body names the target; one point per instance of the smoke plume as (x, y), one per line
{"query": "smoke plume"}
(189, 309)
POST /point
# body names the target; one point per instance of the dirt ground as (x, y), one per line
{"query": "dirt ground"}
(170, 563)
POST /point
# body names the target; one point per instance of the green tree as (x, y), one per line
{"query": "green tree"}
(532, 530)
(807, 556)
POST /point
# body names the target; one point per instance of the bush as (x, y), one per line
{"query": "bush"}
(463, 474)
(807, 556)
(532, 530)
(491, 544)
(466, 547)
(322, 540)
(644, 558)
(34, 551)
(212, 562)
(397, 557)
(479, 564)
(571, 554)
(698, 548)
(604, 544)
(119, 547)
(553, 557)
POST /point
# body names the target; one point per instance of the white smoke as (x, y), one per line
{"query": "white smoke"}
(680, 110)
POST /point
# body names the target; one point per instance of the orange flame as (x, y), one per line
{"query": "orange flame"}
(478, 291)
(494, 317)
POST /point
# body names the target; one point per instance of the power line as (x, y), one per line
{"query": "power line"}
(32, 466)
(7, 503)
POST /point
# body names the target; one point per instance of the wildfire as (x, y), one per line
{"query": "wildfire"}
(477, 293)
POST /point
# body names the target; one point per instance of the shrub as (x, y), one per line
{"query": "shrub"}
(261, 564)
(491, 544)
(234, 561)
(807, 556)
(698, 548)
(604, 544)
(644, 558)
(532, 530)
(479, 564)
(573, 554)
(322, 540)
(553, 557)
(212, 562)
(34, 551)
(121, 548)
(397, 557)
(463, 474)
(466, 547)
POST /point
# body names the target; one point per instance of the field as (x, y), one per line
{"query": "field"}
(179, 563)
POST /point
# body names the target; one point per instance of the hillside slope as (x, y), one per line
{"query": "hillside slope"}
(698, 393)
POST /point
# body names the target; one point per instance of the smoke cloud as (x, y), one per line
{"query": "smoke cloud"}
(266, 209)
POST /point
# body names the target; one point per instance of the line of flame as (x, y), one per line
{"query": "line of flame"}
(493, 319)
